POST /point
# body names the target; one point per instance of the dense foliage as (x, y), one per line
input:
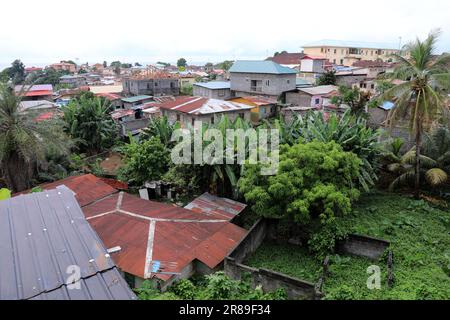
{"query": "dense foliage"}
(144, 161)
(216, 286)
(422, 99)
(349, 131)
(314, 180)
(328, 78)
(417, 231)
(88, 122)
(24, 142)
(435, 161)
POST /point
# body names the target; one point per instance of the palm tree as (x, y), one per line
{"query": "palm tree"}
(23, 141)
(435, 161)
(422, 97)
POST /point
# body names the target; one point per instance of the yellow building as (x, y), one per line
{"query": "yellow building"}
(348, 52)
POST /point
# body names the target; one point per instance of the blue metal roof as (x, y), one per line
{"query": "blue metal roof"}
(214, 85)
(257, 66)
(352, 44)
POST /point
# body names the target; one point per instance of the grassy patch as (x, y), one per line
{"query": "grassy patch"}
(289, 259)
(420, 241)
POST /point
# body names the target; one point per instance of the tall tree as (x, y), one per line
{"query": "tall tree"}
(422, 98)
(23, 141)
(182, 62)
(15, 73)
(328, 78)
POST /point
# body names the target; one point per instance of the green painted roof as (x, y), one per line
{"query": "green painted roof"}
(136, 99)
(257, 66)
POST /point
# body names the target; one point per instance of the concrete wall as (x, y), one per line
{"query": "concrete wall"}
(221, 94)
(349, 80)
(271, 84)
(363, 246)
(152, 87)
(271, 281)
(129, 126)
(251, 242)
(298, 99)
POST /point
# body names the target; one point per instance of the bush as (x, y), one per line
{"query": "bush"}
(314, 180)
(144, 161)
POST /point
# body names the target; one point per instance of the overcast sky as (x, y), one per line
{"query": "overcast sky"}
(45, 31)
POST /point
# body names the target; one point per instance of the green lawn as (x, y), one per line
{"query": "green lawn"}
(419, 236)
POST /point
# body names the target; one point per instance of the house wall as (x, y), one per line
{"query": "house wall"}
(276, 85)
(343, 56)
(221, 94)
(153, 87)
(363, 246)
(299, 99)
(349, 80)
(186, 119)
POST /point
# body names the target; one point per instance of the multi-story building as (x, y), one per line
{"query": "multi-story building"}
(156, 84)
(261, 78)
(348, 52)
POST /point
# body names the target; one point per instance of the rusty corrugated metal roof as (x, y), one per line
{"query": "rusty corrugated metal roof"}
(41, 236)
(179, 235)
(149, 231)
(211, 205)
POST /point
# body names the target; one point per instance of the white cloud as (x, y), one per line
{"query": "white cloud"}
(203, 30)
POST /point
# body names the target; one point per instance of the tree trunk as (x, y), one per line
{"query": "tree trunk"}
(17, 173)
(417, 167)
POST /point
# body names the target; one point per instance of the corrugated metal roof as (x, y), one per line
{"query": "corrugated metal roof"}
(136, 99)
(319, 90)
(41, 236)
(124, 220)
(201, 105)
(214, 85)
(287, 58)
(256, 66)
(211, 205)
(352, 44)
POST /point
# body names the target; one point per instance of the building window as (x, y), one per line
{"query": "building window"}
(221, 93)
(342, 61)
(178, 117)
(256, 85)
(241, 115)
(317, 101)
(212, 120)
(288, 81)
(267, 82)
(172, 85)
(321, 50)
(335, 51)
(334, 61)
(156, 84)
(372, 86)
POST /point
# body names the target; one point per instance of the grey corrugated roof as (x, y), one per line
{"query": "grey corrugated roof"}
(257, 66)
(214, 85)
(136, 98)
(41, 235)
(352, 44)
